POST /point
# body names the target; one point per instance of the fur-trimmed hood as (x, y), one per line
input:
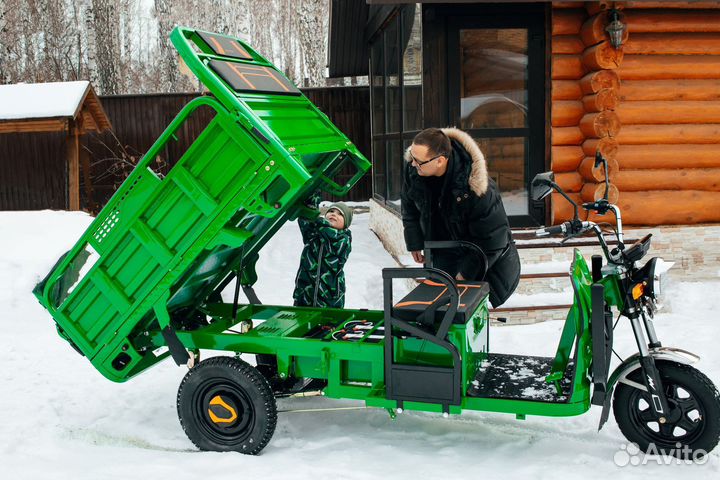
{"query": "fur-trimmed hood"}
(478, 178)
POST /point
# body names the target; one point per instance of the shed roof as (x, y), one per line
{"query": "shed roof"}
(43, 107)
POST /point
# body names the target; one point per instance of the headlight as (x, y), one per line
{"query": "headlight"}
(659, 280)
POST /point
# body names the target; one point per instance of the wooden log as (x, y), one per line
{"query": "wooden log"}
(662, 207)
(594, 174)
(696, 43)
(648, 90)
(576, 5)
(659, 67)
(566, 158)
(594, 191)
(569, 181)
(566, 90)
(598, 125)
(602, 56)
(593, 30)
(669, 21)
(670, 5)
(605, 99)
(680, 179)
(593, 8)
(567, 44)
(567, 67)
(607, 146)
(673, 134)
(567, 113)
(567, 22)
(593, 82)
(669, 112)
(562, 210)
(72, 149)
(567, 136)
(669, 156)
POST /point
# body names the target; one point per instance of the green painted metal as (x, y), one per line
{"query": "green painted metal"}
(162, 244)
(162, 247)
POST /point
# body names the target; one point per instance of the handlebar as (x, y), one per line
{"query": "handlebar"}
(572, 227)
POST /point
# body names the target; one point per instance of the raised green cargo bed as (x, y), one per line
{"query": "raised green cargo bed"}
(164, 245)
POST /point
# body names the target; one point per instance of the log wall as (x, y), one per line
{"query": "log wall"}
(651, 107)
(585, 96)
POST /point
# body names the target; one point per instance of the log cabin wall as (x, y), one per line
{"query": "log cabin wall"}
(652, 107)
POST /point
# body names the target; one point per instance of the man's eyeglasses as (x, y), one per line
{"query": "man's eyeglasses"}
(420, 163)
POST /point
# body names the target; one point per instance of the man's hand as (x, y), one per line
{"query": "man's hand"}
(418, 256)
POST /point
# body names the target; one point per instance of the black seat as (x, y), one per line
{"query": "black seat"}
(428, 292)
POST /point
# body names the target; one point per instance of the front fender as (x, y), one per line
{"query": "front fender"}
(632, 363)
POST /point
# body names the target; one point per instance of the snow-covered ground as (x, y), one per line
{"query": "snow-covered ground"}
(61, 419)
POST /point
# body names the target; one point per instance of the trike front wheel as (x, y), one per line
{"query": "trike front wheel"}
(691, 428)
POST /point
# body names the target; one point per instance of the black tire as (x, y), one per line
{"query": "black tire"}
(225, 404)
(693, 421)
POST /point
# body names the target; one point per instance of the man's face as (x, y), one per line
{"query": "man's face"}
(426, 162)
(335, 218)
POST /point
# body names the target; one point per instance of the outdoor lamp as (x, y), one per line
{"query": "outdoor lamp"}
(615, 29)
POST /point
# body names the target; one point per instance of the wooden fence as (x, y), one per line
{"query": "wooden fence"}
(33, 174)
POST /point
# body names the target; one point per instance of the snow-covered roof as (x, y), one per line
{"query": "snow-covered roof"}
(49, 107)
(41, 100)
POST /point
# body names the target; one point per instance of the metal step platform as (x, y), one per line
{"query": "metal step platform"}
(518, 377)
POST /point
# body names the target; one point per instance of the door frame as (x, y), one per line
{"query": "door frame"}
(532, 18)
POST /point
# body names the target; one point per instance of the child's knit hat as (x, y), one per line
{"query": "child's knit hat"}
(344, 210)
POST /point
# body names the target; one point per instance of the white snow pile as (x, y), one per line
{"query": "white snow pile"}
(61, 419)
(41, 100)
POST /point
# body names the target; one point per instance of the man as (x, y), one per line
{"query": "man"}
(447, 195)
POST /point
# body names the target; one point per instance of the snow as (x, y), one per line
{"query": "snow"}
(41, 100)
(61, 419)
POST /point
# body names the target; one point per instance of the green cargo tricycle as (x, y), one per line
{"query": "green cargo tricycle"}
(143, 283)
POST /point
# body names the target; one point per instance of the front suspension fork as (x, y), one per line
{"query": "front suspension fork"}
(651, 376)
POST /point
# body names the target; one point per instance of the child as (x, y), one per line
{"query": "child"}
(320, 281)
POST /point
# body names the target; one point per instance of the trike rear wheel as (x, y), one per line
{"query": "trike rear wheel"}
(691, 428)
(225, 404)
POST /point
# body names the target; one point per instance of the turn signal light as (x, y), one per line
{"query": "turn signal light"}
(638, 290)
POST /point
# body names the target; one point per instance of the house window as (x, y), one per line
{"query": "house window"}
(396, 91)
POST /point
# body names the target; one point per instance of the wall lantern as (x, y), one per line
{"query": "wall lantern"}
(616, 29)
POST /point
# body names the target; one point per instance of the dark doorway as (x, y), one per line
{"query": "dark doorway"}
(496, 93)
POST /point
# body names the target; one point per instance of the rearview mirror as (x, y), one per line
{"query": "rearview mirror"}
(542, 185)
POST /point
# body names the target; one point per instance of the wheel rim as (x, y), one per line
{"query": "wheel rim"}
(684, 424)
(224, 411)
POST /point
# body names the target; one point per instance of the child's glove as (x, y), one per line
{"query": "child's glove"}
(313, 200)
